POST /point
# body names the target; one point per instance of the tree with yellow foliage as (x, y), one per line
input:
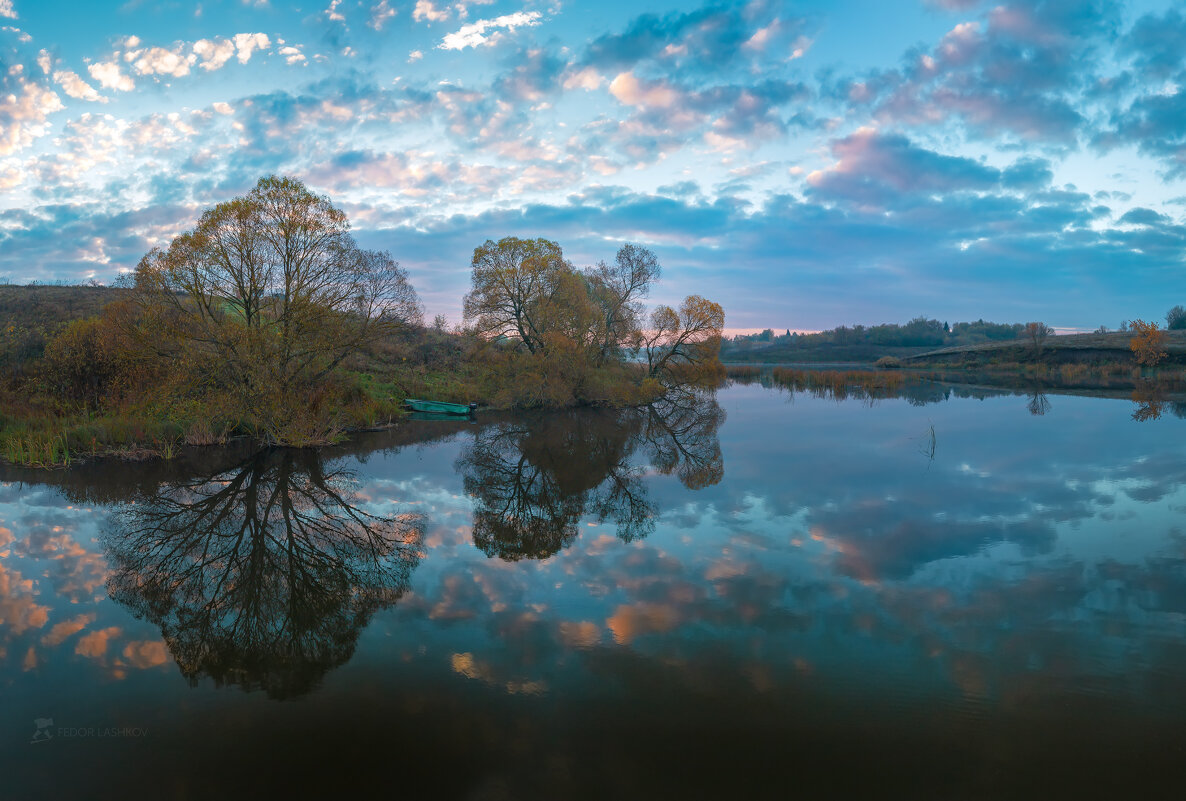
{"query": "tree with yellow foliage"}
(1148, 346)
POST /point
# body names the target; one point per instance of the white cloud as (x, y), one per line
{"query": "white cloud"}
(21, 36)
(292, 55)
(73, 85)
(160, 61)
(109, 77)
(45, 61)
(380, 13)
(23, 116)
(6, 9)
(214, 54)
(222, 108)
(630, 91)
(463, 7)
(426, 11)
(332, 14)
(247, 43)
(587, 79)
(474, 35)
(415, 55)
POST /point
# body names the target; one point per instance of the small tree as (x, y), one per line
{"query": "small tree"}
(1175, 319)
(1035, 333)
(1148, 344)
(681, 344)
(616, 288)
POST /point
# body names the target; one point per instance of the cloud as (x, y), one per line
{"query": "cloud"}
(6, 9)
(248, 43)
(94, 645)
(332, 13)
(213, 54)
(60, 632)
(160, 61)
(708, 41)
(292, 55)
(108, 74)
(877, 167)
(24, 111)
(1019, 74)
(475, 34)
(76, 87)
(1156, 43)
(145, 653)
(381, 12)
(426, 11)
(630, 91)
(588, 79)
(21, 36)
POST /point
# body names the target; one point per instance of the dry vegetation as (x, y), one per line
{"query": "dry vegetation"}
(267, 320)
(1112, 347)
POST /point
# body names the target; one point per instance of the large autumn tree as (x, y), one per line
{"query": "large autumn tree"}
(525, 289)
(265, 297)
(583, 328)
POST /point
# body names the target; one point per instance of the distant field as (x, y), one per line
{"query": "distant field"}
(1087, 348)
(1110, 347)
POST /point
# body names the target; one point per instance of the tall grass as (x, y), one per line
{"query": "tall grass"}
(58, 443)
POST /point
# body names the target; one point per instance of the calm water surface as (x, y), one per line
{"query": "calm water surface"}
(762, 595)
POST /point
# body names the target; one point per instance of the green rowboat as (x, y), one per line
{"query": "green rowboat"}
(439, 407)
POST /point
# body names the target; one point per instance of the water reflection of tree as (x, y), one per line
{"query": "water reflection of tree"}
(535, 478)
(1150, 401)
(263, 575)
(681, 434)
(1038, 404)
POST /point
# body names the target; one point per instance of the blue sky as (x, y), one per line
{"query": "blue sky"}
(805, 164)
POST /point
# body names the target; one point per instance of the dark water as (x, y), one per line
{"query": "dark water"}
(777, 596)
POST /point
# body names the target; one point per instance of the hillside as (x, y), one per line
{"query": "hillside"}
(31, 315)
(1078, 348)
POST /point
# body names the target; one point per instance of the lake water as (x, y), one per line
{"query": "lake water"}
(765, 595)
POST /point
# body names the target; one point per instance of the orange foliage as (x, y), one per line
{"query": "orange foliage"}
(1148, 344)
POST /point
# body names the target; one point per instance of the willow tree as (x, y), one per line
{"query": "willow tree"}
(525, 289)
(515, 282)
(617, 290)
(265, 298)
(683, 346)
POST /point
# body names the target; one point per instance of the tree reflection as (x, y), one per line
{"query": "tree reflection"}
(1038, 403)
(534, 479)
(263, 575)
(681, 433)
(1150, 401)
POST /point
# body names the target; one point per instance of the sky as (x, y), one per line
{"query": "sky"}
(804, 164)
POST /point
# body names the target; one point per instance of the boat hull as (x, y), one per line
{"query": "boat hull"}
(438, 407)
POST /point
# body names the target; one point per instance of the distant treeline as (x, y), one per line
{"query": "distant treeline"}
(919, 332)
(865, 343)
